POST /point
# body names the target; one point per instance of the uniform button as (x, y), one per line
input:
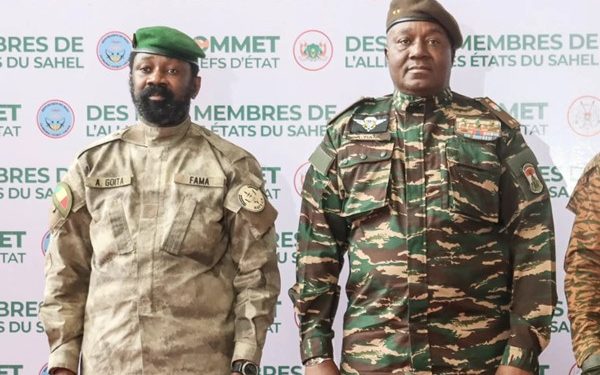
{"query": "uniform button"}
(383, 154)
(363, 157)
(345, 161)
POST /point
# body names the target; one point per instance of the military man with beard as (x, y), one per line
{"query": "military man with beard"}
(438, 204)
(162, 259)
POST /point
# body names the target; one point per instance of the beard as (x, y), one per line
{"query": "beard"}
(163, 113)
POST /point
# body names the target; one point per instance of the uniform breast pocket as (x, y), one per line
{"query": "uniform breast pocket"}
(111, 238)
(474, 173)
(365, 170)
(110, 230)
(196, 227)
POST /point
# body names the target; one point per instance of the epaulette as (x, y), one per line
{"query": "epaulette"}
(499, 112)
(232, 152)
(594, 163)
(107, 139)
(353, 106)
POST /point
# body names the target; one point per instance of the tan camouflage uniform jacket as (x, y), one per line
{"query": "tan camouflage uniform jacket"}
(448, 231)
(164, 262)
(582, 266)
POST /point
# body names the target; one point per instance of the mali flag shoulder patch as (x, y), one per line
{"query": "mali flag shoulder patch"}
(63, 199)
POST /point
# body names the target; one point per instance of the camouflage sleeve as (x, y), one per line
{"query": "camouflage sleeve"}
(67, 272)
(582, 267)
(529, 232)
(320, 253)
(252, 247)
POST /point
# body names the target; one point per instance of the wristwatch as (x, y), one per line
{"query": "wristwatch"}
(244, 367)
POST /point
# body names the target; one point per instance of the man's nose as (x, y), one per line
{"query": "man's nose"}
(419, 49)
(156, 77)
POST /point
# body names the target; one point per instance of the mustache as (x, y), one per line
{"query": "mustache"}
(157, 90)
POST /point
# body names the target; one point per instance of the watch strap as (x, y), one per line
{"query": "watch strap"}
(244, 367)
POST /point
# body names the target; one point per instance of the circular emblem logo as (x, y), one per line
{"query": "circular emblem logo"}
(575, 370)
(55, 118)
(113, 50)
(202, 42)
(44, 370)
(299, 176)
(313, 50)
(251, 198)
(45, 242)
(584, 116)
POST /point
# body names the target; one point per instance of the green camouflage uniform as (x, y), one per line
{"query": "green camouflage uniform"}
(156, 266)
(450, 243)
(582, 266)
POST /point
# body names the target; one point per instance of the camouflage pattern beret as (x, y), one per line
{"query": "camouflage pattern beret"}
(166, 41)
(424, 10)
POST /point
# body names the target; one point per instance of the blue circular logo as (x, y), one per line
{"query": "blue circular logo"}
(113, 50)
(44, 370)
(55, 118)
(46, 242)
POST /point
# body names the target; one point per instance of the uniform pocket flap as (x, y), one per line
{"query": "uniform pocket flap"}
(373, 153)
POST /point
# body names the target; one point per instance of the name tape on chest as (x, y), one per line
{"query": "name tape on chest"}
(205, 181)
(476, 128)
(108, 182)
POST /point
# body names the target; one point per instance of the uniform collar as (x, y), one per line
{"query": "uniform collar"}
(401, 101)
(149, 135)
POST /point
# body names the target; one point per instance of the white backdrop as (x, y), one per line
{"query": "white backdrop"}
(64, 84)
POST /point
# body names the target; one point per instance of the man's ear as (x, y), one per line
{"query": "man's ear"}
(197, 84)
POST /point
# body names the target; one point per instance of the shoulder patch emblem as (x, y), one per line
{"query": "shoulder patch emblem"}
(476, 128)
(63, 199)
(251, 198)
(499, 112)
(535, 185)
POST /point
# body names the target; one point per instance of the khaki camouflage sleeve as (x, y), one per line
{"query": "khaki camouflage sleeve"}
(252, 246)
(529, 232)
(67, 272)
(582, 267)
(320, 254)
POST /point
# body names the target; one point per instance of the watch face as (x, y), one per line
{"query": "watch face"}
(249, 368)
